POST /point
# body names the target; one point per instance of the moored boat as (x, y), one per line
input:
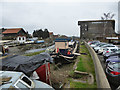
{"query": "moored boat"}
(65, 50)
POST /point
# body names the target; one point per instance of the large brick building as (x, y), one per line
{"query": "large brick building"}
(97, 29)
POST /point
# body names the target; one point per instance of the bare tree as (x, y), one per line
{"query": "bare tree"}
(107, 16)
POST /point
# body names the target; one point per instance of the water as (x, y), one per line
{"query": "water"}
(40, 49)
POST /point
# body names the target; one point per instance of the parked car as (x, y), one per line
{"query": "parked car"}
(110, 49)
(117, 52)
(98, 47)
(113, 73)
(94, 44)
(113, 59)
(18, 80)
(104, 47)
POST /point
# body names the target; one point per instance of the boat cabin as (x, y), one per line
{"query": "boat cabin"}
(61, 44)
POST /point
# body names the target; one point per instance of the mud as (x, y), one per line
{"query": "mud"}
(60, 73)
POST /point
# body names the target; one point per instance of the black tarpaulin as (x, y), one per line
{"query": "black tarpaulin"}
(25, 64)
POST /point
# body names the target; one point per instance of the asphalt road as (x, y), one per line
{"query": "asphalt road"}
(104, 66)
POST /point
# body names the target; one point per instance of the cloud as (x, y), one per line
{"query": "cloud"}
(60, 18)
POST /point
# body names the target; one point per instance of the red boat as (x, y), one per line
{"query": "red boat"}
(36, 67)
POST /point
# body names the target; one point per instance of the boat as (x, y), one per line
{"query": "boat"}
(36, 67)
(65, 50)
(11, 80)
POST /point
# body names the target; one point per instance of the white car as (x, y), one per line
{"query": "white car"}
(110, 49)
(98, 47)
(95, 44)
(104, 47)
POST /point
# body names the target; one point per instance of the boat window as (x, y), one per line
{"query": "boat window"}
(21, 85)
(26, 80)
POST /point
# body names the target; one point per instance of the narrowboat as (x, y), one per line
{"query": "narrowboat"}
(65, 50)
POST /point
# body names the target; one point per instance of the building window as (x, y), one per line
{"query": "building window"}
(19, 38)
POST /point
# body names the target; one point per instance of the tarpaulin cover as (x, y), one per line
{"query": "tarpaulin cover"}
(25, 64)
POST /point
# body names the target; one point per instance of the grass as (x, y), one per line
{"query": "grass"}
(82, 85)
(80, 66)
(35, 53)
(85, 64)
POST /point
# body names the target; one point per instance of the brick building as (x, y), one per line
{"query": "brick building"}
(97, 29)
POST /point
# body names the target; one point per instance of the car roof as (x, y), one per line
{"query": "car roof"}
(112, 47)
(10, 74)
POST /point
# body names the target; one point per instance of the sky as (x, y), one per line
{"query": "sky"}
(58, 16)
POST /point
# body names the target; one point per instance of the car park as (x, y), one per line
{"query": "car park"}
(113, 59)
(113, 73)
(94, 44)
(117, 52)
(18, 80)
(99, 46)
(104, 47)
(110, 49)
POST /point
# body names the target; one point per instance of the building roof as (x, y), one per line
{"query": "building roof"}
(15, 30)
(51, 33)
(79, 22)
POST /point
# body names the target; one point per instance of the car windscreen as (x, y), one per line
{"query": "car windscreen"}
(102, 45)
(118, 51)
(116, 66)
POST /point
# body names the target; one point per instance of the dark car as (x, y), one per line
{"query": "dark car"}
(111, 54)
(113, 73)
(113, 59)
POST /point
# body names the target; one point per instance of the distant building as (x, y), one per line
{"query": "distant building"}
(15, 34)
(56, 36)
(51, 34)
(97, 29)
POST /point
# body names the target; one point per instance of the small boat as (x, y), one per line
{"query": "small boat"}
(65, 50)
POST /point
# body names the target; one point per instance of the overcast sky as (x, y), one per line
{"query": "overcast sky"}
(59, 17)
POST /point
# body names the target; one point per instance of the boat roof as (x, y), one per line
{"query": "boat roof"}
(9, 76)
(62, 39)
(25, 64)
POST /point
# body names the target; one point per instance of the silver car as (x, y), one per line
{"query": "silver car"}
(18, 80)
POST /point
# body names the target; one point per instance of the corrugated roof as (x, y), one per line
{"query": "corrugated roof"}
(16, 30)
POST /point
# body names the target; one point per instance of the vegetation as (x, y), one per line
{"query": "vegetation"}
(85, 64)
(35, 53)
(41, 34)
(80, 65)
(82, 85)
